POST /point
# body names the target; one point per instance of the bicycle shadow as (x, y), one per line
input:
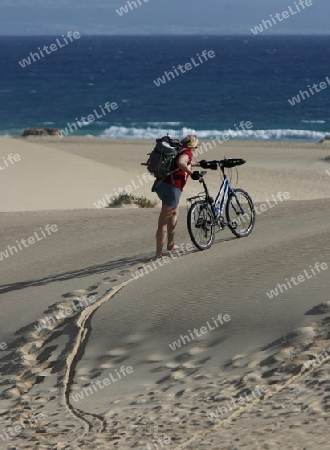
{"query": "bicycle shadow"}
(226, 239)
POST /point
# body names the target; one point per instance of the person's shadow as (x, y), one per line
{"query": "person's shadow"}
(120, 264)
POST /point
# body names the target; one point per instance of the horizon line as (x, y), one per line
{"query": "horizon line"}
(176, 35)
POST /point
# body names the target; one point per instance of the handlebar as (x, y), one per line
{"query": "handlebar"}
(222, 163)
(213, 165)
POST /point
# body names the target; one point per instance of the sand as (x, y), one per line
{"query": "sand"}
(176, 398)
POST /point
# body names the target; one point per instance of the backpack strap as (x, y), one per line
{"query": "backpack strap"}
(175, 170)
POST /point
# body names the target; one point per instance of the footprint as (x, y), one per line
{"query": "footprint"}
(203, 360)
(180, 393)
(124, 271)
(184, 357)
(322, 308)
(164, 379)
(78, 294)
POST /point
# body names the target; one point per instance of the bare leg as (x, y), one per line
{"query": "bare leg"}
(171, 228)
(164, 227)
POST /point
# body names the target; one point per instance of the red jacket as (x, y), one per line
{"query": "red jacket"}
(179, 177)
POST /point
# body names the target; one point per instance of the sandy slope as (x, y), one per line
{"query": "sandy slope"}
(48, 179)
(132, 322)
(78, 172)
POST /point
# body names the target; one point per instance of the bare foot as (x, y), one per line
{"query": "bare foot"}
(171, 247)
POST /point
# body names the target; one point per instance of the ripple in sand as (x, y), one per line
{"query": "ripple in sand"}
(172, 365)
(196, 350)
(117, 352)
(190, 365)
(155, 358)
(82, 371)
(85, 378)
(106, 366)
(45, 373)
(134, 338)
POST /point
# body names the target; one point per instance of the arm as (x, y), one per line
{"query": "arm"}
(183, 164)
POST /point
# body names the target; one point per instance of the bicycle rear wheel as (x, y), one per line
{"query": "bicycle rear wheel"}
(200, 223)
(240, 213)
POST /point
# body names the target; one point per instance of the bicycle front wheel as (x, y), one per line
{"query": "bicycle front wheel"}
(240, 213)
(200, 223)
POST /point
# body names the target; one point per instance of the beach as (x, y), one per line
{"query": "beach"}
(101, 348)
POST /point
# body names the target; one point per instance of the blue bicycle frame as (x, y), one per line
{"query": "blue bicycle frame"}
(221, 199)
(205, 213)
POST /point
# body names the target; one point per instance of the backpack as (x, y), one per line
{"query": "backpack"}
(161, 160)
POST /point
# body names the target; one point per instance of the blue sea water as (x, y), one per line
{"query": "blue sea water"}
(250, 79)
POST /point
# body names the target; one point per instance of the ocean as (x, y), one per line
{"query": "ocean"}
(166, 84)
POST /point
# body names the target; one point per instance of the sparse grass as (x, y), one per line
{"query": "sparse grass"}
(129, 199)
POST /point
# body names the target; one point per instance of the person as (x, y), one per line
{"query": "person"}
(169, 191)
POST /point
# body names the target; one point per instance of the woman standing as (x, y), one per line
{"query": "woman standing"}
(169, 191)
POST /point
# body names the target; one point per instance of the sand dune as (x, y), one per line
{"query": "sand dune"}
(48, 179)
(74, 316)
(77, 173)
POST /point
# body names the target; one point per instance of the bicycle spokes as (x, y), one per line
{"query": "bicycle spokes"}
(232, 207)
(201, 225)
(240, 213)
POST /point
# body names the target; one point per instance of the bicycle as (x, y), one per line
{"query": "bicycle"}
(204, 214)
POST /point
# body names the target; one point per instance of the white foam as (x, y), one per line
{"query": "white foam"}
(157, 124)
(313, 121)
(155, 132)
(83, 124)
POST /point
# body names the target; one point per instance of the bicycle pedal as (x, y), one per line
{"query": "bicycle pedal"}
(221, 223)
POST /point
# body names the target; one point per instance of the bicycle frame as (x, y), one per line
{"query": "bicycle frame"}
(221, 198)
(205, 214)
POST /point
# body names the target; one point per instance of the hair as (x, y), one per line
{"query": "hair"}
(190, 141)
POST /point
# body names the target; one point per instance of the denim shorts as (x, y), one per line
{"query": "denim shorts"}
(169, 194)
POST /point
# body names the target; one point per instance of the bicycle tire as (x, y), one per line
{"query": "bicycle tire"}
(232, 207)
(201, 225)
